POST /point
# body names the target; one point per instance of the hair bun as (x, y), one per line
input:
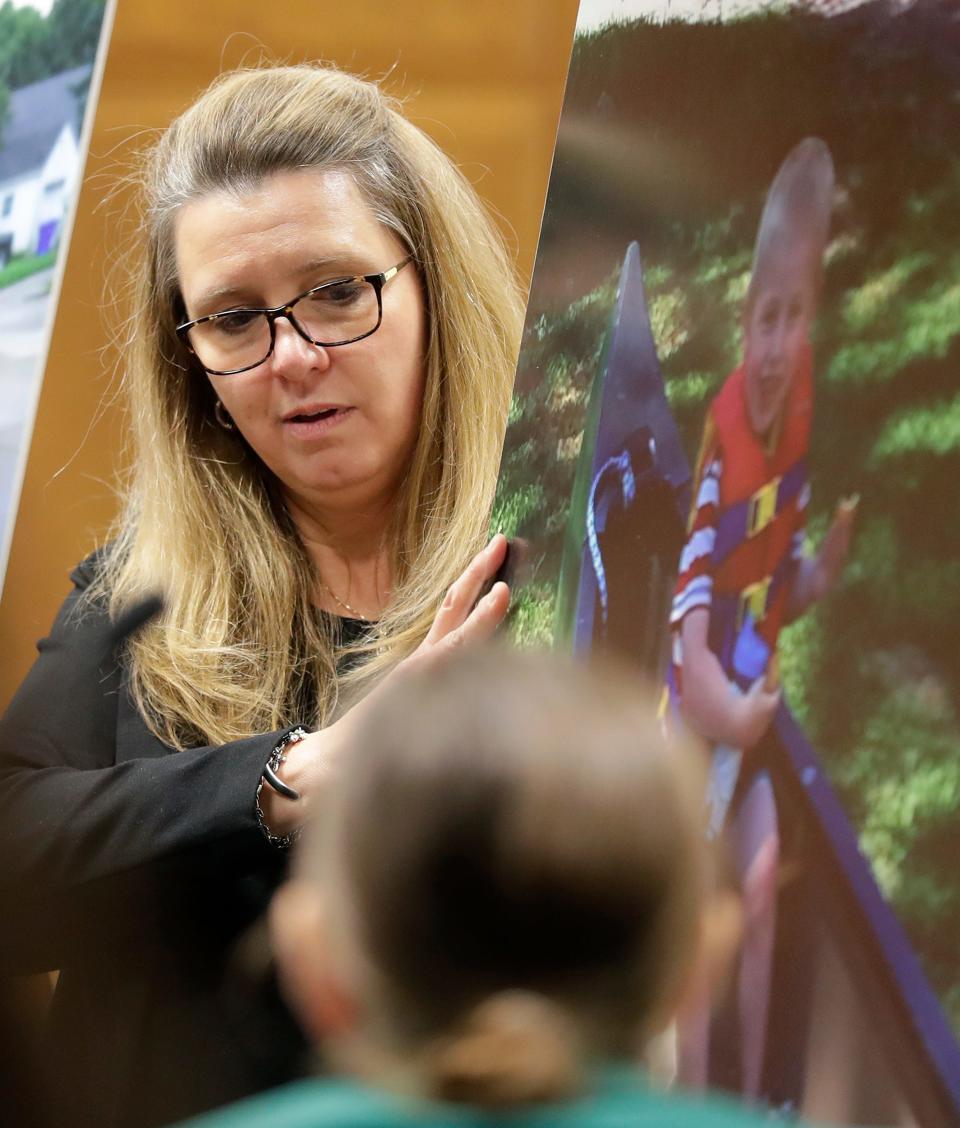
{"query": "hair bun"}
(514, 1048)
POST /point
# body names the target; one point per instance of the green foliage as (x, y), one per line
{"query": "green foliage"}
(933, 430)
(531, 616)
(913, 331)
(75, 30)
(514, 512)
(867, 304)
(558, 361)
(669, 321)
(34, 47)
(800, 650)
(25, 50)
(692, 390)
(902, 778)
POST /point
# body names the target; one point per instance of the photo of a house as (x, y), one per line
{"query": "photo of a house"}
(39, 162)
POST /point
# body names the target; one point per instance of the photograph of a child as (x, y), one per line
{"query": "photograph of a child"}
(744, 571)
(789, 176)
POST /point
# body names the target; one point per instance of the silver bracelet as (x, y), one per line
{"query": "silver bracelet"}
(269, 776)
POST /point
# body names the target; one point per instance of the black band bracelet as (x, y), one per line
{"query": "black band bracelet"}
(278, 785)
(269, 776)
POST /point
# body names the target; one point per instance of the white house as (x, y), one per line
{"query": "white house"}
(39, 162)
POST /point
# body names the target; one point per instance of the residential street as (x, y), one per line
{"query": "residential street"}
(23, 312)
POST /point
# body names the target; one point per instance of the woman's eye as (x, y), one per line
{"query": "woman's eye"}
(339, 293)
(232, 324)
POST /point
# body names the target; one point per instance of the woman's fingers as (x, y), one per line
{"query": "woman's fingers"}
(462, 596)
(484, 619)
(479, 626)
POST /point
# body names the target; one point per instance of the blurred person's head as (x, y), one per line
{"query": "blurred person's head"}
(785, 279)
(506, 889)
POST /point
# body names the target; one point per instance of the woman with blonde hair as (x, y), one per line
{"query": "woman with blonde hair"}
(496, 909)
(318, 362)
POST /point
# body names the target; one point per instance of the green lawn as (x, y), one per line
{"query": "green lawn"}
(22, 266)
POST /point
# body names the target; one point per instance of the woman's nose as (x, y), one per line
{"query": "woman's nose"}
(293, 353)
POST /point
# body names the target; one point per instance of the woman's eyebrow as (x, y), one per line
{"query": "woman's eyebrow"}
(342, 264)
(220, 297)
(238, 295)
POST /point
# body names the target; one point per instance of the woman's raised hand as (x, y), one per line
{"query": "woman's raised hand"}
(464, 617)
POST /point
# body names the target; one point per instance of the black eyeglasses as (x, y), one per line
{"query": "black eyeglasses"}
(336, 313)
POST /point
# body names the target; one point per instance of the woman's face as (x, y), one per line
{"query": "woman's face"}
(337, 426)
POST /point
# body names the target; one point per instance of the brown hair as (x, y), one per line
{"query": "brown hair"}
(516, 853)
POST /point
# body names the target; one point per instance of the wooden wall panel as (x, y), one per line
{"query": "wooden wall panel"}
(484, 79)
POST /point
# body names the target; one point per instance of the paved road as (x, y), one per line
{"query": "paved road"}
(23, 312)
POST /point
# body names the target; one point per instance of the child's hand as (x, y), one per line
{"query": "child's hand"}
(755, 711)
(832, 557)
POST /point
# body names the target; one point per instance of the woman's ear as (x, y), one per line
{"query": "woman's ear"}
(309, 979)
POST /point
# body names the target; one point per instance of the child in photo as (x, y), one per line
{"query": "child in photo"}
(743, 572)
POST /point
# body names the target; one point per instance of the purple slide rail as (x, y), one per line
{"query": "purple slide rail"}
(927, 1052)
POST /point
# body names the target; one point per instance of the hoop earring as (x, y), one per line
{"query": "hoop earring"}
(222, 417)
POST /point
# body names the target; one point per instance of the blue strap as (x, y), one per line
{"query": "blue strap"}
(621, 464)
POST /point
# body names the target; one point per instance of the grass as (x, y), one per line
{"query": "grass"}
(22, 266)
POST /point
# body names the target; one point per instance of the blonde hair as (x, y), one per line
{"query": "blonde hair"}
(796, 215)
(241, 649)
(515, 856)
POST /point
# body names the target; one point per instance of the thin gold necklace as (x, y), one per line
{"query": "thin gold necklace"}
(343, 603)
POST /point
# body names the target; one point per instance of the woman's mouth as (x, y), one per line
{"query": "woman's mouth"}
(308, 423)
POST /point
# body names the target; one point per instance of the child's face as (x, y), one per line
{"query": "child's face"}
(776, 329)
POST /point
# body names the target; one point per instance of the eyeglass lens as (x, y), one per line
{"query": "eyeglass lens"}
(330, 315)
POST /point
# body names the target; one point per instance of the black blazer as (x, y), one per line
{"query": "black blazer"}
(134, 870)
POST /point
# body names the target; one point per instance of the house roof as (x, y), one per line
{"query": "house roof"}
(36, 115)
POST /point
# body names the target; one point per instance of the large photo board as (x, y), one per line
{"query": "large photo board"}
(647, 302)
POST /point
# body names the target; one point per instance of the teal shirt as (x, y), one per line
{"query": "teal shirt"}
(621, 1099)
